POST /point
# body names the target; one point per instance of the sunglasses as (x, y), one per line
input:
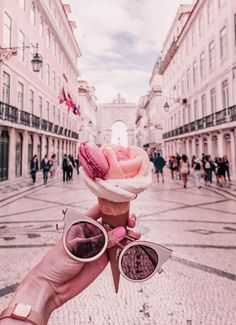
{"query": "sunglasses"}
(85, 240)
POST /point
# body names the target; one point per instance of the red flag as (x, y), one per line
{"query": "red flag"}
(76, 110)
(69, 102)
(62, 97)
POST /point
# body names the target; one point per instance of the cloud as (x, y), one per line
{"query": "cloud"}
(120, 41)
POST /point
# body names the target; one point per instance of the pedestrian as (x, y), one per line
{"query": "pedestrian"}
(178, 173)
(71, 164)
(65, 168)
(208, 171)
(159, 163)
(171, 166)
(221, 172)
(34, 167)
(53, 165)
(215, 168)
(197, 166)
(184, 168)
(193, 159)
(45, 166)
(226, 162)
(77, 164)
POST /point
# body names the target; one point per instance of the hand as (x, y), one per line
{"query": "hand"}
(58, 278)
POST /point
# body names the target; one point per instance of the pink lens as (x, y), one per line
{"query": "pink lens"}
(139, 262)
(85, 240)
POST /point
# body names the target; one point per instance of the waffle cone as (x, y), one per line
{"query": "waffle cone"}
(114, 214)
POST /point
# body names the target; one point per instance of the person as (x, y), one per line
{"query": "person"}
(65, 168)
(221, 172)
(226, 162)
(45, 166)
(178, 172)
(34, 167)
(193, 160)
(77, 164)
(208, 171)
(184, 169)
(57, 278)
(197, 166)
(215, 168)
(159, 163)
(53, 165)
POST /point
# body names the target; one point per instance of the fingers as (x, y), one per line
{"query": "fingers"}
(132, 220)
(93, 212)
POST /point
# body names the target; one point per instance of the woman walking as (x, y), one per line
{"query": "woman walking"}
(184, 169)
(45, 166)
(53, 165)
(197, 167)
(208, 171)
(34, 167)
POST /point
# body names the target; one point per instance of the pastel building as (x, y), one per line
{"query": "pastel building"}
(198, 68)
(31, 119)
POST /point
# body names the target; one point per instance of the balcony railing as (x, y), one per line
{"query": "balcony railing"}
(14, 115)
(224, 116)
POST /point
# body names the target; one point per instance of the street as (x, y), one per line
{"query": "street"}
(198, 283)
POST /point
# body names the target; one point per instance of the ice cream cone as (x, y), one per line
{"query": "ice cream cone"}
(115, 214)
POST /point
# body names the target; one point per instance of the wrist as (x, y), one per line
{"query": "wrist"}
(35, 292)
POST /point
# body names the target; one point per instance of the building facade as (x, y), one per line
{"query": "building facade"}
(149, 116)
(199, 81)
(89, 112)
(31, 119)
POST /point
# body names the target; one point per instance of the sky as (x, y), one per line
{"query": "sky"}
(120, 41)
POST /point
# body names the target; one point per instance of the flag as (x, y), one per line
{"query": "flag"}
(62, 97)
(69, 102)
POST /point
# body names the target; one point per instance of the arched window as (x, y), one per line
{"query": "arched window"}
(41, 27)
(30, 150)
(32, 14)
(119, 133)
(4, 155)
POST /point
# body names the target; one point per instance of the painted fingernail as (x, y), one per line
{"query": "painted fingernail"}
(119, 232)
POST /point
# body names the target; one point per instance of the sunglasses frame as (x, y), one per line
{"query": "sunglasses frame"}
(72, 216)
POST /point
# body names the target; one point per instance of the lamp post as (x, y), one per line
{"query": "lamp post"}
(7, 52)
(166, 107)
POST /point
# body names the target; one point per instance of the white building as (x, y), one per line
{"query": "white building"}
(199, 81)
(31, 119)
(149, 115)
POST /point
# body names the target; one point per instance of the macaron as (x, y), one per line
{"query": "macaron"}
(93, 160)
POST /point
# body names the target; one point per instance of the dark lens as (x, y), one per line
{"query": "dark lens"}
(139, 262)
(85, 240)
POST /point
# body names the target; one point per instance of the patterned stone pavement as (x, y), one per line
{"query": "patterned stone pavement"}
(198, 283)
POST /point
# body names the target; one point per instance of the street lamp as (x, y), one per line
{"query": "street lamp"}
(166, 107)
(90, 123)
(182, 101)
(7, 52)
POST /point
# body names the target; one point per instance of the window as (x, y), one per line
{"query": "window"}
(203, 105)
(32, 14)
(225, 94)
(31, 101)
(41, 72)
(195, 108)
(210, 12)
(213, 100)
(7, 30)
(21, 44)
(48, 74)
(58, 86)
(47, 107)
(202, 65)
(212, 56)
(54, 113)
(22, 4)
(189, 113)
(201, 24)
(40, 106)
(235, 29)
(54, 47)
(48, 39)
(183, 85)
(54, 80)
(223, 43)
(193, 35)
(58, 117)
(41, 27)
(20, 96)
(195, 73)
(188, 79)
(6, 88)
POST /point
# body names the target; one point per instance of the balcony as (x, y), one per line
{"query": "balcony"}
(14, 115)
(168, 57)
(224, 116)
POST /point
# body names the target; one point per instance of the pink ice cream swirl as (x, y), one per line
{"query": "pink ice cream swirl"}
(114, 172)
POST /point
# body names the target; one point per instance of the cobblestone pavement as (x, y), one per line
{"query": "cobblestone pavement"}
(198, 283)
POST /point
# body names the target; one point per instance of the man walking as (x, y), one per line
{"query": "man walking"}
(34, 167)
(159, 163)
(45, 166)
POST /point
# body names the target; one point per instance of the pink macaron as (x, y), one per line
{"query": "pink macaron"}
(93, 160)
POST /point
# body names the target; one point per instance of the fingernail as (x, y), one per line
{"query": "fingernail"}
(119, 232)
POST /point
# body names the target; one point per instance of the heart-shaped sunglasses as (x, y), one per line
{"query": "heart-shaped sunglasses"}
(85, 240)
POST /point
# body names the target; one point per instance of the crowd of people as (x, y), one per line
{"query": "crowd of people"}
(204, 168)
(48, 166)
